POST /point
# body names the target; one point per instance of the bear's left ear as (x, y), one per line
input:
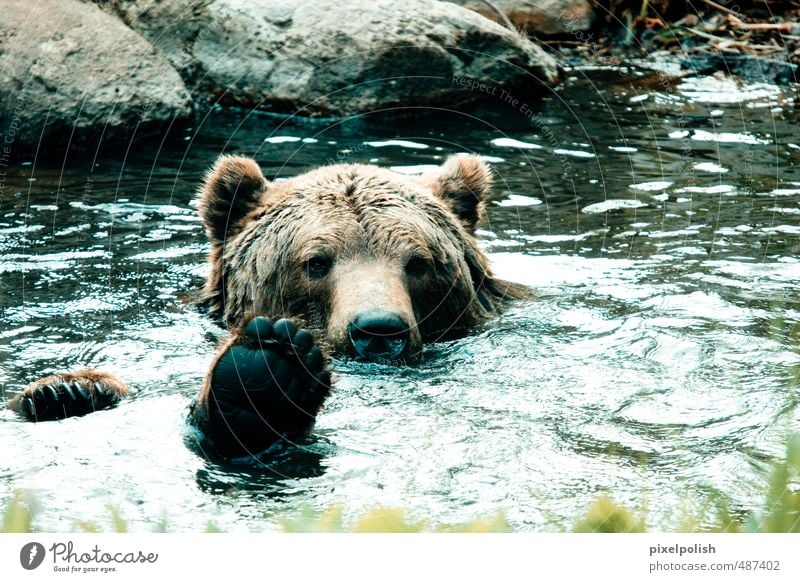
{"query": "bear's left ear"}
(464, 182)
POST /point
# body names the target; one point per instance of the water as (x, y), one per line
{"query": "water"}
(658, 225)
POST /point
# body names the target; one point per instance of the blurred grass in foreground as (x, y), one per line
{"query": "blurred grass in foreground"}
(383, 521)
(780, 514)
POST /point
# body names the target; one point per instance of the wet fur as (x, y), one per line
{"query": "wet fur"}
(374, 225)
(238, 418)
(59, 396)
(358, 214)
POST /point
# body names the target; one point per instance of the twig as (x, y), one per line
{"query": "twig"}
(702, 34)
(558, 41)
(721, 8)
(783, 26)
(501, 14)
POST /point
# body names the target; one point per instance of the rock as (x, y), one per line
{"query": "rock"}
(546, 17)
(173, 26)
(749, 67)
(340, 57)
(70, 73)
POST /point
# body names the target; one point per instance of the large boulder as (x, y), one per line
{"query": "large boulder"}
(546, 17)
(173, 26)
(332, 57)
(70, 73)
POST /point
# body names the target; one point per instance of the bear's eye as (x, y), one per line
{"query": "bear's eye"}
(417, 266)
(318, 267)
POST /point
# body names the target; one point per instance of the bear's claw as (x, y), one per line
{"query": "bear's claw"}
(268, 382)
(64, 395)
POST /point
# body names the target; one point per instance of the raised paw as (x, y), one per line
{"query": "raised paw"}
(267, 382)
(64, 395)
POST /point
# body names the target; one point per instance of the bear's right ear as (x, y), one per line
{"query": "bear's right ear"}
(230, 190)
(464, 183)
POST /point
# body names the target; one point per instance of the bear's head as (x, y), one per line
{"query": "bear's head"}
(377, 262)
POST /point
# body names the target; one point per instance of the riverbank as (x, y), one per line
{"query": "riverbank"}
(78, 73)
(759, 41)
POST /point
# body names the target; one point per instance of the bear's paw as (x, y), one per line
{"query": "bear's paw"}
(268, 382)
(70, 394)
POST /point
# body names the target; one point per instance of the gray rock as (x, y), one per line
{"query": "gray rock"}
(173, 26)
(546, 17)
(336, 58)
(70, 73)
(339, 57)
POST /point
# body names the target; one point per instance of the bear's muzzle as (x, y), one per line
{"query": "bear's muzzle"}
(379, 336)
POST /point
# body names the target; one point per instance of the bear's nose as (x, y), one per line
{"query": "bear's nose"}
(379, 336)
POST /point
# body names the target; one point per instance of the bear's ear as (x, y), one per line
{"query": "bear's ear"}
(464, 183)
(230, 190)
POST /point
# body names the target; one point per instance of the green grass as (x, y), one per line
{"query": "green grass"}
(779, 514)
(782, 512)
(18, 515)
(383, 521)
(605, 516)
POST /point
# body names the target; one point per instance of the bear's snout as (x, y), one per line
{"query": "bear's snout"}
(374, 320)
(379, 336)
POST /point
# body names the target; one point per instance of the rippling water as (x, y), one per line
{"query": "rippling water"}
(658, 224)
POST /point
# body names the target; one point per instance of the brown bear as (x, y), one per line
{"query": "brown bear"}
(373, 263)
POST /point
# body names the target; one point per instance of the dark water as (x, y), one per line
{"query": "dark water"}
(657, 223)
